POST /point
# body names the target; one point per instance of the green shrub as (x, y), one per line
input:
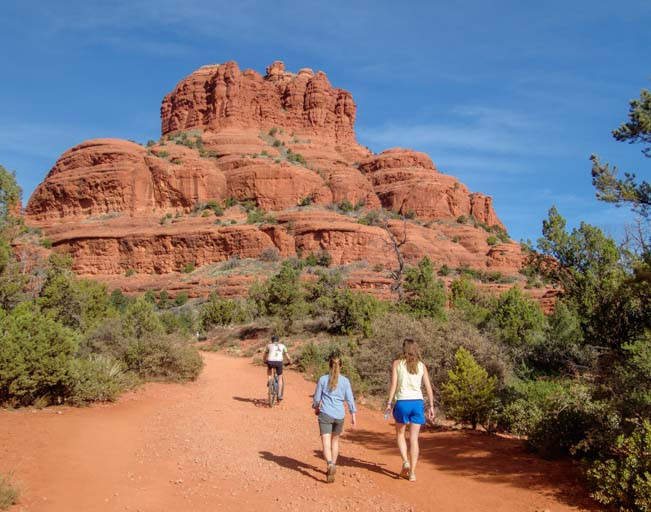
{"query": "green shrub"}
(176, 161)
(223, 312)
(296, 158)
(569, 414)
(163, 357)
(75, 303)
(151, 143)
(249, 205)
(462, 219)
(424, 294)
(140, 320)
(230, 201)
(273, 131)
(47, 243)
(622, 478)
(526, 404)
(163, 154)
(36, 354)
(119, 300)
(311, 260)
(518, 318)
(444, 270)
(411, 214)
(130, 272)
(281, 294)
(475, 306)
(455, 239)
(354, 312)
(491, 240)
(306, 201)
(181, 298)
(149, 296)
(469, 395)
(8, 493)
(323, 258)
(182, 322)
(188, 268)
(97, 378)
(106, 338)
(345, 206)
(255, 216)
(163, 298)
(370, 219)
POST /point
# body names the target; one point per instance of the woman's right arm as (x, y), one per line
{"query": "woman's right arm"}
(394, 384)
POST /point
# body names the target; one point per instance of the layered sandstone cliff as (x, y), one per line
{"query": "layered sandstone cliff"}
(283, 143)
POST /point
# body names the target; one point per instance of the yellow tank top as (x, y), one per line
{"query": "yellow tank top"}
(409, 384)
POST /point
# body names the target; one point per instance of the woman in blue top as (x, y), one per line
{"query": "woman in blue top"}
(332, 390)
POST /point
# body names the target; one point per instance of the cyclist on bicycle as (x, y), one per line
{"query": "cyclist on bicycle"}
(274, 357)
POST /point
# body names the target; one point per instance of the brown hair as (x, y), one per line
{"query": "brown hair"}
(411, 355)
(335, 370)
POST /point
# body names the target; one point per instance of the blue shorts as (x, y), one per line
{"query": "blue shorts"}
(409, 411)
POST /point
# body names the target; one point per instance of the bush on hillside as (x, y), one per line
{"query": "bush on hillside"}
(424, 294)
(182, 322)
(140, 319)
(223, 312)
(469, 395)
(354, 312)
(518, 319)
(36, 354)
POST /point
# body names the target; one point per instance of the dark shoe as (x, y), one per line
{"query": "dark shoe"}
(330, 476)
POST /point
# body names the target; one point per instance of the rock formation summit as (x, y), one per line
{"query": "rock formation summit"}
(250, 165)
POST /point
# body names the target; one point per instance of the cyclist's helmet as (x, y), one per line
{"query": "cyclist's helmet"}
(274, 339)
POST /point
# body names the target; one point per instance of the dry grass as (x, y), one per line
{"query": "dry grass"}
(8, 493)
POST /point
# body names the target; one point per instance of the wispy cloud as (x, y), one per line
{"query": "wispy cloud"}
(471, 130)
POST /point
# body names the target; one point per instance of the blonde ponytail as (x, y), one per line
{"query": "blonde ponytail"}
(335, 370)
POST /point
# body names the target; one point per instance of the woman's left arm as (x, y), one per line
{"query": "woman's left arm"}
(430, 393)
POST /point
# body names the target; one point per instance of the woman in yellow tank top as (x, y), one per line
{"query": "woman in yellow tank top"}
(407, 377)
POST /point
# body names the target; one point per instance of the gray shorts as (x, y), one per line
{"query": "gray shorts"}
(330, 425)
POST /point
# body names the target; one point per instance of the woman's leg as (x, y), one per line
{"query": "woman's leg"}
(335, 448)
(402, 442)
(326, 440)
(414, 430)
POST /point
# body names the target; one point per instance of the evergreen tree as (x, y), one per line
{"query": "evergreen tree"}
(469, 394)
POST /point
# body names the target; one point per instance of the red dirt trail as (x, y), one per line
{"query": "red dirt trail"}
(214, 445)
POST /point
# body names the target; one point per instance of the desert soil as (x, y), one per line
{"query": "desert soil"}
(214, 445)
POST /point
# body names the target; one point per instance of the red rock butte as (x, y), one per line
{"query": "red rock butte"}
(284, 143)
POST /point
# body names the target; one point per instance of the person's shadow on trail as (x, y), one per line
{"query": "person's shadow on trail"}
(294, 464)
(258, 402)
(352, 462)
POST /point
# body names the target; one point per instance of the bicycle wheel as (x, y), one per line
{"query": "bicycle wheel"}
(272, 391)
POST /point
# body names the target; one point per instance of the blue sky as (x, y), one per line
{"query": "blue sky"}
(510, 97)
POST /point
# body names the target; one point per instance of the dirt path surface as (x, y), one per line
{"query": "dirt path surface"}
(214, 445)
